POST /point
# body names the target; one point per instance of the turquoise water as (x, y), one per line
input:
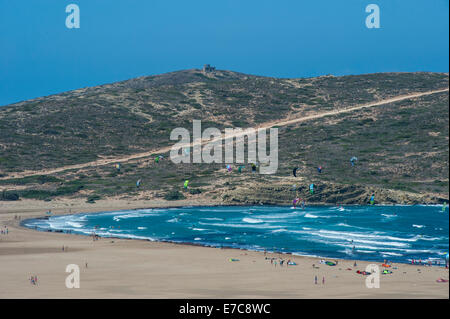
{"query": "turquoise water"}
(396, 233)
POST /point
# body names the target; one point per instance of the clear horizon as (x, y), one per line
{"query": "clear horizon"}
(40, 56)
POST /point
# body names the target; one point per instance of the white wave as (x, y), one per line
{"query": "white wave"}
(348, 252)
(385, 253)
(357, 247)
(308, 215)
(117, 230)
(418, 226)
(74, 224)
(344, 225)
(279, 215)
(252, 220)
(197, 238)
(279, 230)
(136, 214)
(366, 251)
(373, 236)
(427, 238)
(358, 240)
(248, 225)
(421, 251)
(173, 220)
(59, 225)
(142, 228)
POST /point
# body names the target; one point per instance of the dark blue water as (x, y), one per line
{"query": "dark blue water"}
(396, 233)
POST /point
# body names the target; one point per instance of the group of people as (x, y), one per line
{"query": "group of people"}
(323, 280)
(273, 261)
(4, 231)
(429, 263)
(299, 201)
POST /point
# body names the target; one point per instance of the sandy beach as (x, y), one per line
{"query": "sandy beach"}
(119, 268)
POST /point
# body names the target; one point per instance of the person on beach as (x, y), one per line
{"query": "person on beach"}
(315, 280)
(323, 280)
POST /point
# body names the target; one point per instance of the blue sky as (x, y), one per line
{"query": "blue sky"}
(119, 40)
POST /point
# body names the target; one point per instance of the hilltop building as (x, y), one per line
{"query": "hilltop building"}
(208, 68)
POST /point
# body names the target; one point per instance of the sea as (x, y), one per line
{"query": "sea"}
(371, 233)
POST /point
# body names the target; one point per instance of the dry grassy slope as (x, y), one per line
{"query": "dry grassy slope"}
(402, 146)
(137, 115)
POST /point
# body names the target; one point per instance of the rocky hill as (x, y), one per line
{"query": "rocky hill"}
(402, 147)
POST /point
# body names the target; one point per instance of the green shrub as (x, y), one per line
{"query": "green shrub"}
(195, 191)
(92, 198)
(173, 195)
(9, 195)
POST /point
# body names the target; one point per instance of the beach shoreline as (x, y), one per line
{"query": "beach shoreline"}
(177, 269)
(192, 243)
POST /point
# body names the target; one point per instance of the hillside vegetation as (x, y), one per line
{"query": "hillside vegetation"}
(402, 147)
